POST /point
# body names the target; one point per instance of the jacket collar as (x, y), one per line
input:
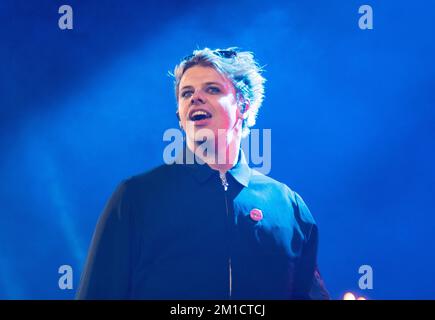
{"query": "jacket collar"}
(241, 171)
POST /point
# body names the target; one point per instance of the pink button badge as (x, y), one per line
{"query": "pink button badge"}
(256, 214)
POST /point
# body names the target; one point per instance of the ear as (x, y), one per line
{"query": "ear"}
(179, 119)
(244, 107)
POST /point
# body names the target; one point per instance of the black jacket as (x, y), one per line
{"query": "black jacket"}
(175, 233)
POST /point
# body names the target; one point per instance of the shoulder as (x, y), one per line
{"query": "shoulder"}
(139, 186)
(278, 191)
(266, 183)
(153, 178)
(162, 171)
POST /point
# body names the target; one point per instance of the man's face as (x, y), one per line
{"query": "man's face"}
(207, 100)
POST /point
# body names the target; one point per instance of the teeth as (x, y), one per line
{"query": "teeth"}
(199, 113)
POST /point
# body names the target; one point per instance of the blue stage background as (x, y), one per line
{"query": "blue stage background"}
(351, 111)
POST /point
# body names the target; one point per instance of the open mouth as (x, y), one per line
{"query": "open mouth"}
(198, 115)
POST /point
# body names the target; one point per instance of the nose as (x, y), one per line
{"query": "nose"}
(197, 99)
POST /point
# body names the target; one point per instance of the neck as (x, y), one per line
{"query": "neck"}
(222, 157)
(231, 153)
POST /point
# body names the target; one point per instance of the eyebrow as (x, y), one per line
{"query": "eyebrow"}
(207, 84)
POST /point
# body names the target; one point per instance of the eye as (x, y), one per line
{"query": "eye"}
(213, 90)
(186, 94)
